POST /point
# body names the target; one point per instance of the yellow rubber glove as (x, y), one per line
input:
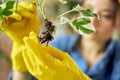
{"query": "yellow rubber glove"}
(27, 20)
(49, 63)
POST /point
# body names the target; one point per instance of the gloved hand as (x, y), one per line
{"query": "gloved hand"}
(48, 63)
(26, 20)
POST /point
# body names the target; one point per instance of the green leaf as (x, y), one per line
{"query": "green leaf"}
(7, 13)
(10, 4)
(85, 30)
(88, 12)
(81, 21)
(95, 15)
(83, 25)
(5, 8)
(76, 7)
(85, 11)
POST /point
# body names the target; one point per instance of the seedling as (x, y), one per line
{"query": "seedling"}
(81, 24)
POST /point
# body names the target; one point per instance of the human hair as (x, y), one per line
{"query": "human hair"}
(116, 8)
(116, 2)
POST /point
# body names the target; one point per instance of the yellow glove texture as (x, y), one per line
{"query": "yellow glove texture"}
(48, 63)
(26, 20)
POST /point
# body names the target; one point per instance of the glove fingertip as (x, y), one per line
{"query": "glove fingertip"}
(33, 36)
(29, 7)
(16, 16)
(26, 14)
(32, 33)
(25, 39)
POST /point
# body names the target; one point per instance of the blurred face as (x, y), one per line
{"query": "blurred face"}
(105, 26)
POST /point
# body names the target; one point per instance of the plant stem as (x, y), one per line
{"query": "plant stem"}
(64, 14)
(41, 7)
(43, 11)
(16, 4)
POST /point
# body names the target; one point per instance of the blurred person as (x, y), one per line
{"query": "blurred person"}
(97, 55)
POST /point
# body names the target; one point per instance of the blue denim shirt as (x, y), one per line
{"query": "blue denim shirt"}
(106, 69)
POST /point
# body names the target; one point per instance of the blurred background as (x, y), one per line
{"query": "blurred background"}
(52, 9)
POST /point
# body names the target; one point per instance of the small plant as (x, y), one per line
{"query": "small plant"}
(81, 24)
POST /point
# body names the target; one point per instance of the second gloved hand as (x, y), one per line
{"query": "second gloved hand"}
(49, 63)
